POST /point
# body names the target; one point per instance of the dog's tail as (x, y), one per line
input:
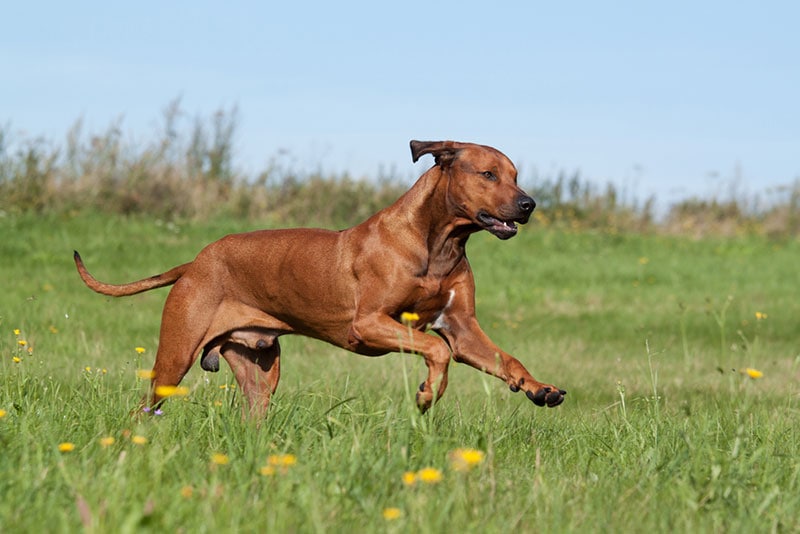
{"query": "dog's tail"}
(123, 290)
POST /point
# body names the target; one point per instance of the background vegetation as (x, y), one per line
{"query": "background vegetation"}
(187, 170)
(677, 342)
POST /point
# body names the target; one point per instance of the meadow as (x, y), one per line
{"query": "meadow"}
(680, 356)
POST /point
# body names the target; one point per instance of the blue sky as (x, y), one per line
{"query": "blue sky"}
(669, 99)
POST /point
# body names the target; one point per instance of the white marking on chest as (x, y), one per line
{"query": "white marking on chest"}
(439, 323)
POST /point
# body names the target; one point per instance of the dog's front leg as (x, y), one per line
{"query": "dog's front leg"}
(472, 346)
(379, 332)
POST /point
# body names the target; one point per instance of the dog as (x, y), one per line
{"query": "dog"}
(385, 285)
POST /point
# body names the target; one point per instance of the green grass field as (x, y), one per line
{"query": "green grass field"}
(662, 429)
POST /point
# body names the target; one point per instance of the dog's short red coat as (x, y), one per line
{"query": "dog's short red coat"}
(350, 288)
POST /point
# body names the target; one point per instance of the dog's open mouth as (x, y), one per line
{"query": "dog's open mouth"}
(497, 227)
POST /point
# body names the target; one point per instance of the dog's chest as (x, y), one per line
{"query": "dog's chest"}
(431, 300)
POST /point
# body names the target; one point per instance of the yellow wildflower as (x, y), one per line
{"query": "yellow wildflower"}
(22, 342)
(753, 373)
(53, 329)
(429, 475)
(145, 374)
(465, 459)
(87, 369)
(172, 391)
(66, 447)
(409, 478)
(139, 440)
(267, 470)
(391, 514)
(16, 331)
(139, 350)
(219, 458)
(643, 261)
(760, 315)
(187, 491)
(107, 441)
(2, 413)
(409, 317)
(16, 359)
(277, 462)
(282, 460)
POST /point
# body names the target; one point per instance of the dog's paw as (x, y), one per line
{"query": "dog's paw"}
(549, 396)
(424, 399)
(543, 395)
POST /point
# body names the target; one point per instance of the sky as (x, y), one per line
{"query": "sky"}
(671, 100)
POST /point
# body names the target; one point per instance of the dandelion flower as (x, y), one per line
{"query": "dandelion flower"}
(66, 447)
(409, 478)
(187, 491)
(107, 441)
(267, 470)
(220, 459)
(409, 317)
(139, 440)
(53, 329)
(282, 460)
(21, 342)
(145, 374)
(391, 514)
(277, 462)
(16, 359)
(760, 316)
(753, 373)
(3, 413)
(172, 391)
(16, 331)
(139, 350)
(87, 369)
(465, 459)
(429, 475)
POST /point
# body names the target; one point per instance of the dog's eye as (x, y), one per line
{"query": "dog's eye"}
(489, 175)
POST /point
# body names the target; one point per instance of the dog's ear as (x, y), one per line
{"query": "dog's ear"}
(444, 152)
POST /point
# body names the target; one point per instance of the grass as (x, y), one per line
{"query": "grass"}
(660, 431)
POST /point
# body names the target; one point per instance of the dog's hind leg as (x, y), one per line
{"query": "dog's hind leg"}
(257, 371)
(184, 323)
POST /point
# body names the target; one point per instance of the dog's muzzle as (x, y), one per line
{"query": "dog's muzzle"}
(505, 227)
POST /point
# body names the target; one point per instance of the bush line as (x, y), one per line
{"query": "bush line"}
(190, 173)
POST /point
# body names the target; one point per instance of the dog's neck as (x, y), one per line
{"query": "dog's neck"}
(428, 214)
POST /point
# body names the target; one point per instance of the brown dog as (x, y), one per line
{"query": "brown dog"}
(350, 288)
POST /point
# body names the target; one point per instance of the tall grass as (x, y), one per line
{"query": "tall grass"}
(187, 170)
(662, 429)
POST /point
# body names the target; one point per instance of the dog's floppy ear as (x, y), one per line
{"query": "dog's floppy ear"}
(443, 152)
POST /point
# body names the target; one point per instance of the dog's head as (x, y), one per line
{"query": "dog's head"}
(482, 185)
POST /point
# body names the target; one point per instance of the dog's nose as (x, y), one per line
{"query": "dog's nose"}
(526, 204)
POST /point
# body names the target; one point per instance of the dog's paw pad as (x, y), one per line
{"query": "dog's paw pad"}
(547, 396)
(537, 398)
